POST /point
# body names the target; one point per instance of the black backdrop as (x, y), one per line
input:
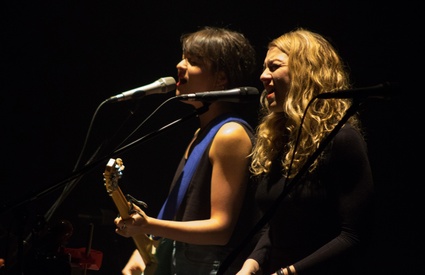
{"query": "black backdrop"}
(61, 59)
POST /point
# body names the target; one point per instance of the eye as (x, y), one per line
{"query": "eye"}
(272, 67)
(192, 60)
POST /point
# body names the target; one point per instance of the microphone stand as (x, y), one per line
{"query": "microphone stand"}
(89, 167)
(268, 215)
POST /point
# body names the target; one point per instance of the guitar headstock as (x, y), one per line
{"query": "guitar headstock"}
(113, 172)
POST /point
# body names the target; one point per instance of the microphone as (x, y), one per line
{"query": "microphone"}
(161, 86)
(381, 91)
(232, 95)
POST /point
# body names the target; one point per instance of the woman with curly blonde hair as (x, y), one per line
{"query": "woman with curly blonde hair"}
(323, 217)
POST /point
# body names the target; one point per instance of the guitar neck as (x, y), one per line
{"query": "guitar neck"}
(142, 241)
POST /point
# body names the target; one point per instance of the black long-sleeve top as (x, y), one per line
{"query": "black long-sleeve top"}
(325, 215)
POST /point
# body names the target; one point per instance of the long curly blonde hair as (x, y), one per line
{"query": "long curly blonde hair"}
(314, 67)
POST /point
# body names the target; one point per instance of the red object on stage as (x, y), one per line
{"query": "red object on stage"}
(80, 258)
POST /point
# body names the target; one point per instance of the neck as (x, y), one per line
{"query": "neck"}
(214, 110)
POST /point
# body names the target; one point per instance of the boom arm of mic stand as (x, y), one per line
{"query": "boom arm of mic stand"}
(102, 160)
(267, 215)
(197, 112)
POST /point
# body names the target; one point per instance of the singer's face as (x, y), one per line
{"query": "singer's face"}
(275, 78)
(194, 77)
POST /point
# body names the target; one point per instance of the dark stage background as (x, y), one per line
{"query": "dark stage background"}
(62, 59)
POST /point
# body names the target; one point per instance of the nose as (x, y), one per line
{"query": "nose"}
(181, 68)
(181, 64)
(266, 76)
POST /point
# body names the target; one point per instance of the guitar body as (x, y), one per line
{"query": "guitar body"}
(145, 244)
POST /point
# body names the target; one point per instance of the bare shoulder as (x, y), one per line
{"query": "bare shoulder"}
(232, 136)
(232, 130)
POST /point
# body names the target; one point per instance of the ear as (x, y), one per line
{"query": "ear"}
(221, 80)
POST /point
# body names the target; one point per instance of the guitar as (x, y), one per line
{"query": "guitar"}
(144, 243)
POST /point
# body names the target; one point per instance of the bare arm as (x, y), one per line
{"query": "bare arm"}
(135, 264)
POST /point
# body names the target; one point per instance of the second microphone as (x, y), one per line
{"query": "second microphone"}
(233, 95)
